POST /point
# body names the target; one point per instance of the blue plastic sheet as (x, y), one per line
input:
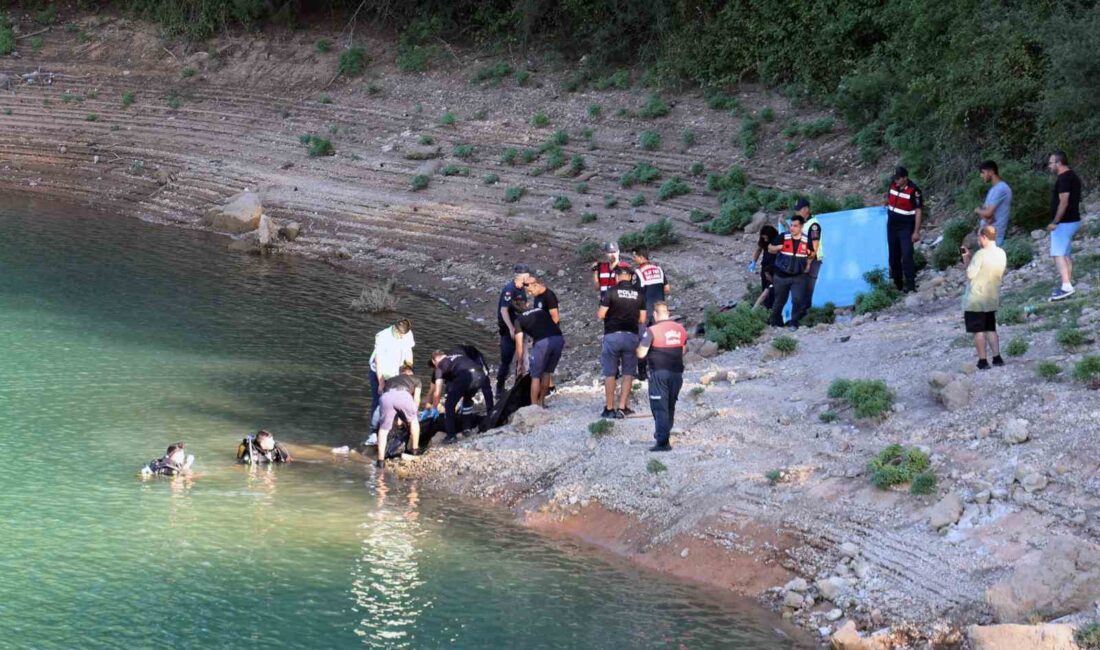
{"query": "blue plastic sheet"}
(854, 242)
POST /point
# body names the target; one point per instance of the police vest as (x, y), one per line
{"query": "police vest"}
(650, 275)
(606, 275)
(812, 228)
(666, 347)
(793, 255)
(902, 201)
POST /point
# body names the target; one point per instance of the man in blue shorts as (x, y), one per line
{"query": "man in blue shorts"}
(547, 344)
(622, 310)
(1065, 210)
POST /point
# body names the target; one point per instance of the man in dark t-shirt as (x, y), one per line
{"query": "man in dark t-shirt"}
(547, 344)
(544, 298)
(622, 310)
(506, 314)
(1065, 220)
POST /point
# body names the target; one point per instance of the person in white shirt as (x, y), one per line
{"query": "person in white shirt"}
(393, 348)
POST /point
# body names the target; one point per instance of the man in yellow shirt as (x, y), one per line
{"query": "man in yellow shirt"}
(984, 271)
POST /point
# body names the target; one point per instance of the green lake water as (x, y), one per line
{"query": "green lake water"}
(119, 337)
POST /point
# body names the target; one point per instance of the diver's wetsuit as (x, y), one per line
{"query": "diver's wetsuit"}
(164, 467)
(250, 452)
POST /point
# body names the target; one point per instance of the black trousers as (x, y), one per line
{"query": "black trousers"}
(899, 237)
(793, 287)
(462, 390)
(664, 389)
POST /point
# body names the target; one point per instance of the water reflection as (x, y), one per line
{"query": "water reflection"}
(387, 573)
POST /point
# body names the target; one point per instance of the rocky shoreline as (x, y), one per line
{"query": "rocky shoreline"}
(1010, 534)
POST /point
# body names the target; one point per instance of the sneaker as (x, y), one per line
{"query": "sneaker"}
(661, 447)
(1061, 294)
(608, 413)
(627, 411)
(998, 361)
(983, 364)
(372, 439)
(450, 440)
(550, 391)
(617, 414)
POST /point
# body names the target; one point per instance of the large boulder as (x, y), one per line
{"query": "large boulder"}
(529, 418)
(1060, 579)
(240, 214)
(946, 512)
(1021, 637)
(952, 391)
(847, 637)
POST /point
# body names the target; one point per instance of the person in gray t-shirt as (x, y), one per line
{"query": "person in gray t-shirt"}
(998, 201)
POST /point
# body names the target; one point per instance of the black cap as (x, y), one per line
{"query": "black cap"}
(900, 172)
(521, 268)
(623, 268)
(801, 203)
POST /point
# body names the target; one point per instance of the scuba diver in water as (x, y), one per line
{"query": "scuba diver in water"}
(174, 463)
(262, 448)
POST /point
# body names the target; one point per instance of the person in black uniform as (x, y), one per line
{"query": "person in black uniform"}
(765, 260)
(463, 378)
(546, 347)
(622, 310)
(506, 315)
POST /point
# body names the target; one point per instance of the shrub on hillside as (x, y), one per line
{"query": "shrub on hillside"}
(897, 464)
(353, 61)
(785, 344)
(1048, 370)
(882, 293)
(1070, 338)
(733, 327)
(823, 315)
(649, 140)
(1017, 347)
(673, 187)
(1087, 370)
(868, 398)
(947, 252)
(600, 428)
(654, 107)
(654, 236)
(643, 173)
(1018, 252)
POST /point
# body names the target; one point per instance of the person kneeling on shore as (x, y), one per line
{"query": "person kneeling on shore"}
(463, 378)
(663, 344)
(174, 462)
(262, 448)
(401, 396)
(546, 347)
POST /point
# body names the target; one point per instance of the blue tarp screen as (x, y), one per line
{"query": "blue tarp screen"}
(854, 242)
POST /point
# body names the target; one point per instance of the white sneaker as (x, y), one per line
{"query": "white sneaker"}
(405, 456)
(372, 439)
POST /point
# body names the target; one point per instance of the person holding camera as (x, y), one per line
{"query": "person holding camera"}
(984, 270)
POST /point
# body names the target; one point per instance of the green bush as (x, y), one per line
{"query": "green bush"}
(1088, 636)
(638, 200)
(882, 295)
(920, 260)
(817, 128)
(490, 179)
(464, 151)
(455, 170)
(588, 217)
(353, 61)
(643, 173)
(687, 137)
(589, 251)
(508, 156)
(540, 120)
(7, 37)
(947, 252)
(773, 476)
(673, 187)
(767, 114)
(852, 202)
(696, 391)
(528, 155)
(1017, 347)
(576, 164)
(581, 187)
(654, 107)
(513, 194)
(594, 110)
(128, 98)
(559, 138)
(1010, 315)
(734, 327)
(698, 216)
(868, 398)
(322, 45)
(1018, 252)
(1087, 369)
(493, 73)
(896, 464)
(1030, 195)
(188, 72)
(609, 201)
(722, 102)
(785, 344)
(447, 119)
(655, 466)
(419, 182)
(318, 146)
(1048, 370)
(697, 168)
(649, 140)
(923, 484)
(823, 315)
(600, 427)
(828, 416)
(562, 203)
(1070, 338)
(91, 117)
(522, 77)
(748, 136)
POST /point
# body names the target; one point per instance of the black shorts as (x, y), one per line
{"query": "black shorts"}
(980, 321)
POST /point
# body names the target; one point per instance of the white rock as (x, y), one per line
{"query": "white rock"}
(946, 512)
(793, 599)
(1015, 431)
(849, 549)
(797, 584)
(834, 614)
